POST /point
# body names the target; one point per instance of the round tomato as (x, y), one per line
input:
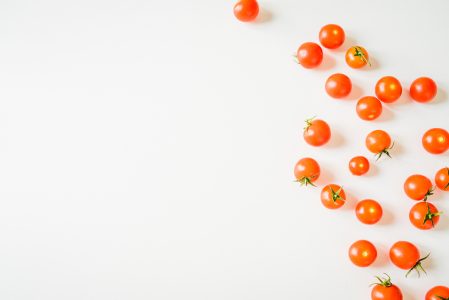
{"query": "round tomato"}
(333, 196)
(423, 89)
(310, 55)
(424, 215)
(246, 10)
(418, 187)
(368, 211)
(379, 143)
(385, 290)
(338, 85)
(369, 108)
(438, 292)
(332, 36)
(307, 171)
(362, 253)
(316, 132)
(406, 256)
(436, 140)
(388, 89)
(358, 165)
(357, 57)
(442, 179)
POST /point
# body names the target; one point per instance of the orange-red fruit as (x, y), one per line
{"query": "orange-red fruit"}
(417, 187)
(332, 36)
(436, 140)
(317, 132)
(380, 292)
(388, 89)
(362, 253)
(424, 215)
(357, 57)
(442, 179)
(404, 255)
(438, 292)
(369, 108)
(423, 89)
(378, 141)
(310, 55)
(333, 196)
(246, 10)
(338, 85)
(307, 170)
(368, 211)
(358, 165)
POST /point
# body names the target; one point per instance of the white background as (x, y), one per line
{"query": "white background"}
(147, 149)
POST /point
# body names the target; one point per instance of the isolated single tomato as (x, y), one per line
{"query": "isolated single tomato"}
(442, 179)
(307, 171)
(316, 132)
(423, 89)
(406, 256)
(368, 211)
(246, 10)
(369, 108)
(438, 292)
(379, 143)
(310, 55)
(358, 165)
(362, 253)
(357, 57)
(388, 89)
(332, 36)
(418, 187)
(436, 140)
(338, 85)
(385, 290)
(333, 196)
(424, 215)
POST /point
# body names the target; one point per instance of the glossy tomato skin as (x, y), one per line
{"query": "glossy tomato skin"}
(317, 132)
(333, 196)
(380, 292)
(436, 140)
(369, 108)
(368, 211)
(404, 255)
(378, 141)
(246, 10)
(388, 89)
(362, 253)
(438, 292)
(307, 170)
(418, 214)
(423, 89)
(310, 55)
(338, 85)
(357, 57)
(418, 187)
(332, 36)
(358, 165)
(442, 179)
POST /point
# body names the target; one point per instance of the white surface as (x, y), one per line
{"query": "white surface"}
(147, 148)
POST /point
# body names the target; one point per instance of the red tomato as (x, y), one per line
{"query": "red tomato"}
(388, 89)
(436, 140)
(369, 108)
(379, 142)
(246, 10)
(385, 290)
(358, 165)
(418, 187)
(333, 196)
(316, 132)
(442, 179)
(310, 55)
(406, 256)
(332, 36)
(438, 293)
(424, 215)
(362, 253)
(423, 89)
(338, 85)
(357, 57)
(307, 171)
(368, 211)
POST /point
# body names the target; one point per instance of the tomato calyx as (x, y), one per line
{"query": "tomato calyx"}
(306, 180)
(359, 53)
(441, 297)
(295, 58)
(447, 185)
(309, 123)
(417, 266)
(430, 215)
(336, 194)
(385, 151)
(383, 281)
(429, 193)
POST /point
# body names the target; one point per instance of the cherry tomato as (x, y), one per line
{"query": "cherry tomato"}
(362, 253)
(332, 36)
(388, 89)
(333, 196)
(418, 187)
(424, 215)
(369, 108)
(358, 165)
(246, 10)
(316, 132)
(338, 85)
(357, 57)
(385, 290)
(438, 292)
(423, 89)
(307, 171)
(406, 256)
(436, 140)
(368, 211)
(310, 55)
(442, 179)
(378, 142)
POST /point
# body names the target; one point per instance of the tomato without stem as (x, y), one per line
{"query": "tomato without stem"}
(442, 179)
(388, 89)
(368, 211)
(307, 171)
(362, 253)
(379, 143)
(316, 132)
(357, 57)
(358, 165)
(369, 108)
(385, 290)
(332, 36)
(246, 10)
(333, 196)
(424, 215)
(418, 187)
(309, 55)
(436, 140)
(438, 292)
(423, 89)
(406, 256)
(338, 85)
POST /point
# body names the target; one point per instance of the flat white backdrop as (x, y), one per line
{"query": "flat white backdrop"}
(147, 149)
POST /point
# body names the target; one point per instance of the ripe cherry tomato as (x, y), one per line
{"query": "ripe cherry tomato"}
(423, 89)
(418, 187)
(332, 36)
(338, 85)
(406, 256)
(438, 292)
(368, 211)
(316, 132)
(442, 179)
(362, 253)
(385, 290)
(388, 89)
(357, 57)
(436, 140)
(358, 165)
(369, 108)
(307, 171)
(424, 215)
(378, 142)
(333, 196)
(310, 55)
(246, 10)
